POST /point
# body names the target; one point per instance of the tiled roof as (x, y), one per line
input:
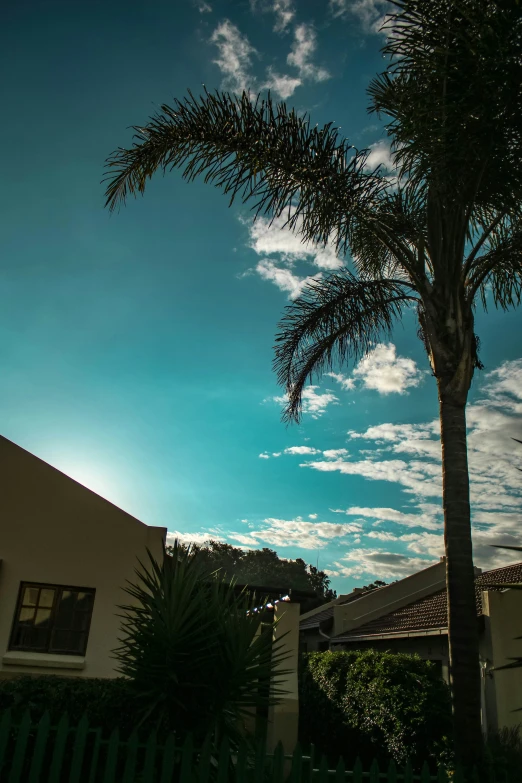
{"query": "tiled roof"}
(431, 612)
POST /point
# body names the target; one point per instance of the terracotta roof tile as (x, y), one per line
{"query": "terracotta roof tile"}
(431, 612)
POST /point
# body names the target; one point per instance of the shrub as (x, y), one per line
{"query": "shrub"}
(373, 704)
(107, 703)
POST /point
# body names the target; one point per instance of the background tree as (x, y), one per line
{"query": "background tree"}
(442, 237)
(264, 568)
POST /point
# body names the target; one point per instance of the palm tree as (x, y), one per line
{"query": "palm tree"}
(441, 237)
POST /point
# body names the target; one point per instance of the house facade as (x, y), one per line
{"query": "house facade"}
(65, 557)
(410, 616)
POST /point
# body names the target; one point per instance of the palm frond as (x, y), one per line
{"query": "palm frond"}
(335, 319)
(459, 134)
(255, 150)
(499, 267)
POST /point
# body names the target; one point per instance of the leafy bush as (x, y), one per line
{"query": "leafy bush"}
(373, 704)
(191, 649)
(107, 703)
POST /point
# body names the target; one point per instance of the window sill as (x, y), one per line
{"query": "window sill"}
(43, 660)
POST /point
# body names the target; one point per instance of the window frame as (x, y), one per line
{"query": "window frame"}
(59, 590)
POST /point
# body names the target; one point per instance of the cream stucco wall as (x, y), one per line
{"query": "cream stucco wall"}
(503, 689)
(54, 530)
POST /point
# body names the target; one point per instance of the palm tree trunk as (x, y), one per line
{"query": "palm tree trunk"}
(463, 630)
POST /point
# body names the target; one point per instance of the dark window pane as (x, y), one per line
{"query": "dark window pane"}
(68, 641)
(80, 621)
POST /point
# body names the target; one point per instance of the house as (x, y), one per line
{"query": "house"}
(65, 555)
(410, 616)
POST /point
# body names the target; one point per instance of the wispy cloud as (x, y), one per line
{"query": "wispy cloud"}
(302, 51)
(295, 532)
(281, 83)
(315, 402)
(346, 382)
(335, 453)
(283, 10)
(283, 277)
(371, 13)
(301, 450)
(203, 7)
(234, 56)
(408, 456)
(371, 562)
(380, 155)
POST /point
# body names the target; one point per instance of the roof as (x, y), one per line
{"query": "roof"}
(430, 613)
(327, 613)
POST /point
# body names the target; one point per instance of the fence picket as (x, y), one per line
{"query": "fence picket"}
(340, 771)
(357, 776)
(111, 761)
(278, 763)
(5, 733)
(169, 759)
(408, 772)
(260, 763)
(186, 760)
(79, 750)
(323, 770)
(39, 748)
(150, 759)
(223, 762)
(297, 765)
(60, 742)
(18, 762)
(204, 761)
(458, 776)
(374, 772)
(131, 752)
(425, 774)
(442, 775)
(241, 763)
(392, 772)
(95, 756)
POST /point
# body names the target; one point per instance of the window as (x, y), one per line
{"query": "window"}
(52, 619)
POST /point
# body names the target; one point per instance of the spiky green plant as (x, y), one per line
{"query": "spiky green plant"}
(441, 238)
(192, 648)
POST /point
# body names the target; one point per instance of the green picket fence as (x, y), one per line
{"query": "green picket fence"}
(41, 753)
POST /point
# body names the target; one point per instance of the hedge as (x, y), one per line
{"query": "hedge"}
(106, 702)
(373, 704)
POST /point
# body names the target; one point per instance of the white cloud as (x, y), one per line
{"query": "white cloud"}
(386, 372)
(301, 53)
(312, 516)
(234, 56)
(380, 155)
(282, 84)
(343, 380)
(204, 8)
(283, 278)
(296, 532)
(314, 402)
(264, 456)
(191, 538)
(335, 453)
(378, 563)
(284, 12)
(428, 519)
(371, 13)
(301, 450)
(268, 238)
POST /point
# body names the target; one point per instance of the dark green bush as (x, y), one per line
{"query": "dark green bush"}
(107, 703)
(373, 704)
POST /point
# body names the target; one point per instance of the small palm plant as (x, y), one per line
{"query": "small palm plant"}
(195, 651)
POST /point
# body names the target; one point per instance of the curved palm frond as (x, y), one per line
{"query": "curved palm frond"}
(256, 150)
(499, 268)
(333, 320)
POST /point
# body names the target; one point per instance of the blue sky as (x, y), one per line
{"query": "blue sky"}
(136, 348)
